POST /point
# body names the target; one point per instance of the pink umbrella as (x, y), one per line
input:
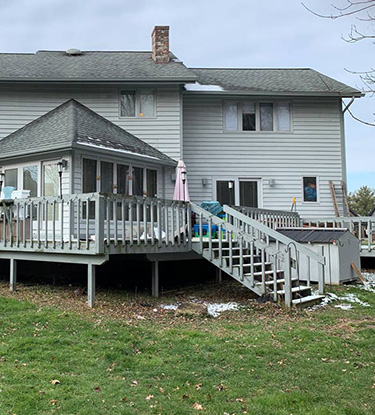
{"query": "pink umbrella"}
(181, 191)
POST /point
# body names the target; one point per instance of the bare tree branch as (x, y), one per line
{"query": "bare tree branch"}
(359, 120)
(358, 7)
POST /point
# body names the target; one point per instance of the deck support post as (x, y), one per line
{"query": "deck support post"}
(13, 274)
(91, 270)
(155, 279)
(219, 276)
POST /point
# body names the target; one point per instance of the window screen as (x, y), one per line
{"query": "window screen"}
(30, 180)
(127, 104)
(266, 117)
(137, 181)
(89, 176)
(151, 183)
(310, 190)
(146, 103)
(11, 178)
(106, 177)
(249, 193)
(283, 116)
(231, 116)
(225, 192)
(248, 116)
(122, 177)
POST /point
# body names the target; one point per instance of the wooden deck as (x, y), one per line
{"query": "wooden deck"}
(90, 228)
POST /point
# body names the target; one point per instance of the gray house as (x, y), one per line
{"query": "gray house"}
(252, 137)
(116, 123)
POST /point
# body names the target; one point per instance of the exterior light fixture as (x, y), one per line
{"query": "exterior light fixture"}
(183, 178)
(2, 178)
(61, 165)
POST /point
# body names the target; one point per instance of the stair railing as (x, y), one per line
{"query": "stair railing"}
(261, 232)
(232, 234)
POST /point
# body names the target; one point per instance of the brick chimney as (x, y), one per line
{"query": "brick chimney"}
(160, 44)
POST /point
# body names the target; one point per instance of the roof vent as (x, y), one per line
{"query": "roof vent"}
(73, 52)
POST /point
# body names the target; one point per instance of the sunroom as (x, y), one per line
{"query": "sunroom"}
(62, 164)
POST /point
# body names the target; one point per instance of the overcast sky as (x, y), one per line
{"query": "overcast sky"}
(209, 33)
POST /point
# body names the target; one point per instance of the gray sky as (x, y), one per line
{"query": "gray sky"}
(209, 33)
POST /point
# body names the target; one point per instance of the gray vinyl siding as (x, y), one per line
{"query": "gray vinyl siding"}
(312, 148)
(21, 104)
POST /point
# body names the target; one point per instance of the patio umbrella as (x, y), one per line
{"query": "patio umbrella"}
(181, 191)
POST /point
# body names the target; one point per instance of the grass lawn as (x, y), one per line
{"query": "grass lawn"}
(58, 357)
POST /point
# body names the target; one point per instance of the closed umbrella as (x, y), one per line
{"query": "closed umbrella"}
(181, 191)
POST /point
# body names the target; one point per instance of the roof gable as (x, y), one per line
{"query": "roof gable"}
(73, 124)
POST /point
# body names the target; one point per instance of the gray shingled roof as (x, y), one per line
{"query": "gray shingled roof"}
(72, 124)
(260, 81)
(91, 66)
(314, 235)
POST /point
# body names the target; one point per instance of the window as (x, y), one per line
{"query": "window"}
(310, 189)
(30, 180)
(106, 177)
(122, 179)
(248, 116)
(137, 103)
(89, 176)
(257, 116)
(137, 181)
(152, 188)
(11, 178)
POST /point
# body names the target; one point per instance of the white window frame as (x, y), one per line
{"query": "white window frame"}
(20, 166)
(257, 103)
(237, 181)
(129, 163)
(138, 93)
(317, 190)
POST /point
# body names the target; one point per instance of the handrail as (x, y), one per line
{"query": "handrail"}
(268, 211)
(274, 234)
(229, 227)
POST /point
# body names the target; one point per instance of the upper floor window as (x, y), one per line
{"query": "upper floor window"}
(257, 116)
(137, 103)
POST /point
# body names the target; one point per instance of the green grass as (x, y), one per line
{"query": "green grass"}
(261, 360)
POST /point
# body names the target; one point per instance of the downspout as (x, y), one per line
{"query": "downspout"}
(348, 105)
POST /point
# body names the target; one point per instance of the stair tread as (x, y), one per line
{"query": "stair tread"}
(296, 289)
(260, 273)
(279, 281)
(312, 297)
(255, 264)
(239, 256)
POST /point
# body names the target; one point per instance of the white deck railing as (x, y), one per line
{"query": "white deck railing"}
(272, 218)
(93, 223)
(363, 227)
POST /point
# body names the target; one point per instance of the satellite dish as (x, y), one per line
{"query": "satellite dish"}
(73, 52)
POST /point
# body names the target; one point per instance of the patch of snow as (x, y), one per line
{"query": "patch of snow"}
(369, 284)
(169, 306)
(352, 298)
(216, 309)
(199, 87)
(344, 306)
(117, 150)
(349, 298)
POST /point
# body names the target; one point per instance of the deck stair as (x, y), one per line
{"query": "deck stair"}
(246, 254)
